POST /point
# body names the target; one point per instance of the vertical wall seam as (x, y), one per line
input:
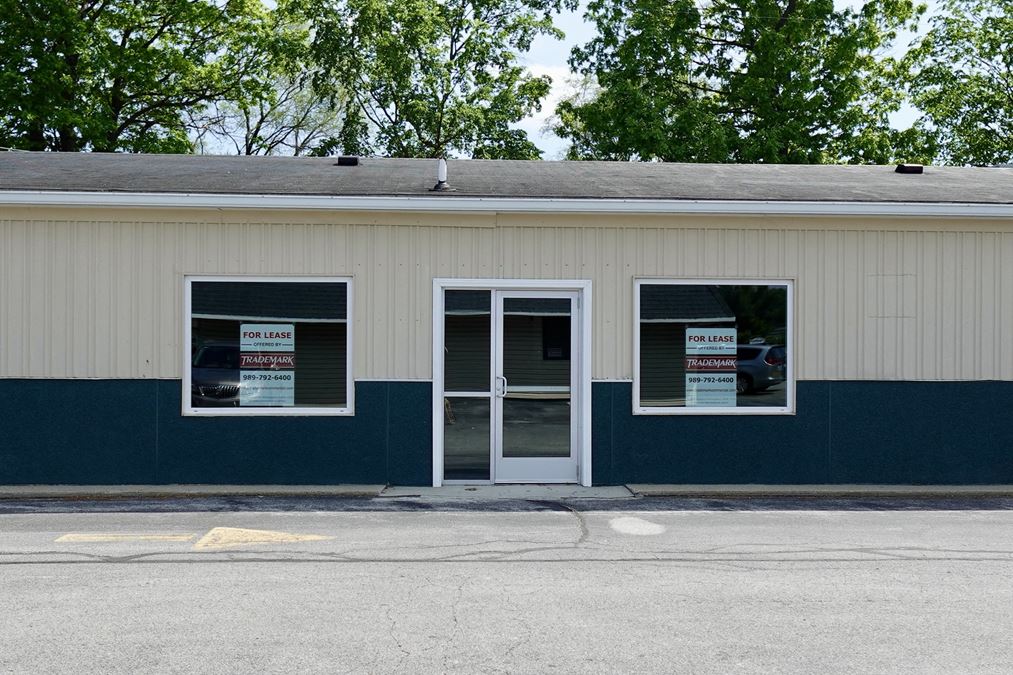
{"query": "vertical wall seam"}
(612, 433)
(156, 384)
(830, 431)
(386, 430)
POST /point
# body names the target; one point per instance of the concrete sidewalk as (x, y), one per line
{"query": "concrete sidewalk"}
(820, 491)
(446, 493)
(493, 492)
(173, 491)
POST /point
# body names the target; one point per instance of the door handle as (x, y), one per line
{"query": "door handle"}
(501, 393)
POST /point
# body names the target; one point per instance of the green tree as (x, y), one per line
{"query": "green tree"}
(431, 79)
(290, 118)
(109, 75)
(961, 78)
(286, 116)
(736, 81)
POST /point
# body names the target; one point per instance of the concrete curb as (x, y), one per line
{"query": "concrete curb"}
(822, 491)
(183, 491)
(464, 493)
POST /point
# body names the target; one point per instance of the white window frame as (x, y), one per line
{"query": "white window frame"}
(190, 411)
(789, 343)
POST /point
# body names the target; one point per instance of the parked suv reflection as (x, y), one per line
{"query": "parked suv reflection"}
(760, 367)
(214, 376)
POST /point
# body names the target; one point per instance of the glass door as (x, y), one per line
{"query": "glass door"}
(534, 380)
(510, 373)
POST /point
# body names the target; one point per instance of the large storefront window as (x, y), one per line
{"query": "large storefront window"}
(713, 347)
(267, 346)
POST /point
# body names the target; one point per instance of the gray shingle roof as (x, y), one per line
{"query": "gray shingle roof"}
(499, 178)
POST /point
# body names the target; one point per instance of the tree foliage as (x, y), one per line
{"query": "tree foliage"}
(961, 78)
(290, 118)
(431, 79)
(760, 311)
(737, 81)
(109, 75)
(286, 115)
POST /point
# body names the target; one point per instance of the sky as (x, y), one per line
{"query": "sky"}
(548, 57)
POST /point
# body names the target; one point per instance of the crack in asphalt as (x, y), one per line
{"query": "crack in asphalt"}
(388, 610)
(507, 555)
(318, 558)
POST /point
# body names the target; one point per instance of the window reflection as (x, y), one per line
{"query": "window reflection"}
(466, 438)
(268, 344)
(536, 364)
(466, 339)
(713, 346)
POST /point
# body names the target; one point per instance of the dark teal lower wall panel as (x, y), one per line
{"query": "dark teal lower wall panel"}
(909, 433)
(710, 448)
(78, 431)
(131, 431)
(922, 433)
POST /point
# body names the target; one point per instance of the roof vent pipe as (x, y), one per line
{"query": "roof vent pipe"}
(909, 168)
(441, 177)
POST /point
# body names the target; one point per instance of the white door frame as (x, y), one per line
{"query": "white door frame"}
(582, 365)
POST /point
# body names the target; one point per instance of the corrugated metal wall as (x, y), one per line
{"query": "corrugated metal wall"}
(99, 294)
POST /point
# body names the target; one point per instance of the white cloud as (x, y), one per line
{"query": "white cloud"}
(551, 145)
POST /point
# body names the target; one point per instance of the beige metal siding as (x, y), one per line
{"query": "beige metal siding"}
(98, 293)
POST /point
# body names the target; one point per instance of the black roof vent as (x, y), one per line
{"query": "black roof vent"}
(910, 168)
(347, 160)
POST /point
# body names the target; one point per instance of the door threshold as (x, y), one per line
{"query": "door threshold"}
(540, 491)
(536, 482)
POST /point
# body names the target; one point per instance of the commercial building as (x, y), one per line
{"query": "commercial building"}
(176, 319)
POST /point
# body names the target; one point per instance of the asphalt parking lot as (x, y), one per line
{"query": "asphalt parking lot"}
(247, 584)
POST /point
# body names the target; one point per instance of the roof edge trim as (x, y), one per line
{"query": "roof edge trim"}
(444, 204)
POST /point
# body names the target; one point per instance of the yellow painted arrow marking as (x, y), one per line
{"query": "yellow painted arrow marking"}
(230, 537)
(78, 538)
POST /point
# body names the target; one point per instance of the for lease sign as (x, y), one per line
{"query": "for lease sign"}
(710, 341)
(267, 337)
(710, 367)
(267, 364)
